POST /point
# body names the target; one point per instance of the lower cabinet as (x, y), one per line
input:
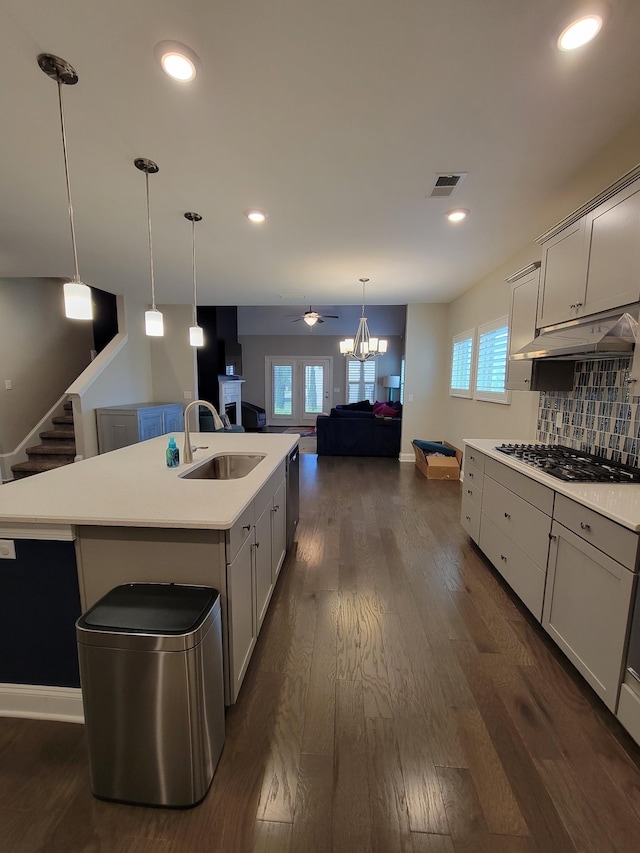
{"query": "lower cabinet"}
(586, 609)
(120, 426)
(256, 547)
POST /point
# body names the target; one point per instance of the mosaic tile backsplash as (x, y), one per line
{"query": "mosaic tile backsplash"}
(599, 416)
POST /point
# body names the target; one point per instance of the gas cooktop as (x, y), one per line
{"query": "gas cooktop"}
(571, 465)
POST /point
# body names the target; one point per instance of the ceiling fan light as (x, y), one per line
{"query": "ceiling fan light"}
(153, 323)
(579, 32)
(310, 320)
(196, 336)
(77, 301)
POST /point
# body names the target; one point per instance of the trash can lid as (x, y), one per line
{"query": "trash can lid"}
(144, 608)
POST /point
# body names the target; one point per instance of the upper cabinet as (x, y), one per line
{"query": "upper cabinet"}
(591, 260)
(523, 375)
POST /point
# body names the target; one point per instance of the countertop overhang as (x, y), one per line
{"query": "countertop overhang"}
(618, 501)
(133, 487)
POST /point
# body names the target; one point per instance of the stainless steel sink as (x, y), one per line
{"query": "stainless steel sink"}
(225, 466)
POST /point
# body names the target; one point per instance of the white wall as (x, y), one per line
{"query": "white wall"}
(126, 380)
(173, 359)
(255, 348)
(426, 376)
(41, 352)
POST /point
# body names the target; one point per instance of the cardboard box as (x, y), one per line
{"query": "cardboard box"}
(438, 467)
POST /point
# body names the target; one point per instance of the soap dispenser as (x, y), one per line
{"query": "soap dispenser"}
(173, 454)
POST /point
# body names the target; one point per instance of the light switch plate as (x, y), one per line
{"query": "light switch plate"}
(7, 549)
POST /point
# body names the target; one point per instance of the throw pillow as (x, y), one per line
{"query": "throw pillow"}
(386, 411)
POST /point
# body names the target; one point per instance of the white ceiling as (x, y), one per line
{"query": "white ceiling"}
(333, 116)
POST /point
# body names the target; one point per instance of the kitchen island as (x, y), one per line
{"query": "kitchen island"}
(123, 517)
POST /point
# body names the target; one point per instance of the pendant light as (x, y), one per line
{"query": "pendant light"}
(363, 347)
(153, 324)
(77, 296)
(196, 335)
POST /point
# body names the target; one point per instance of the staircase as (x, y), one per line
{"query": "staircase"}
(58, 448)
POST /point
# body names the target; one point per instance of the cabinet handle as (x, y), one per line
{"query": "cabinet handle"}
(507, 515)
(257, 544)
(526, 380)
(578, 304)
(246, 527)
(276, 508)
(503, 558)
(469, 492)
(552, 536)
(584, 526)
(470, 475)
(573, 306)
(468, 517)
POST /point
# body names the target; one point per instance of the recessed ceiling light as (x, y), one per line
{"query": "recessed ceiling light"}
(256, 215)
(177, 60)
(457, 215)
(579, 32)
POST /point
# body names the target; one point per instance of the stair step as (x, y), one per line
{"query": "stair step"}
(57, 450)
(63, 419)
(26, 469)
(68, 406)
(60, 434)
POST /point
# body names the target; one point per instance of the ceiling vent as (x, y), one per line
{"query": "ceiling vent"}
(446, 184)
(296, 296)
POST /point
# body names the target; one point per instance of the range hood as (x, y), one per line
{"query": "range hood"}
(611, 336)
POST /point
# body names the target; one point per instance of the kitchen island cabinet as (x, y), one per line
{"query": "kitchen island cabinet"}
(129, 518)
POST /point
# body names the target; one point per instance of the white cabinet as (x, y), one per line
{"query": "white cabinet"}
(255, 548)
(278, 530)
(241, 614)
(591, 262)
(514, 530)
(473, 477)
(120, 426)
(586, 609)
(524, 375)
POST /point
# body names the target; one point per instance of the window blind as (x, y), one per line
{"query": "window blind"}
(461, 364)
(361, 380)
(491, 367)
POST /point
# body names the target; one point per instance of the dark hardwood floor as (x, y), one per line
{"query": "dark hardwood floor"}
(400, 698)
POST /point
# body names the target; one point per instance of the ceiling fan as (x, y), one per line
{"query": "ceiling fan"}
(312, 317)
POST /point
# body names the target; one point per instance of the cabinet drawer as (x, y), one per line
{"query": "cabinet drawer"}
(519, 520)
(521, 573)
(532, 491)
(473, 476)
(470, 491)
(239, 532)
(470, 518)
(616, 541)
(473, 457)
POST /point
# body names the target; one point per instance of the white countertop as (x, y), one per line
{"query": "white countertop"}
(133, 487)
(619, 502)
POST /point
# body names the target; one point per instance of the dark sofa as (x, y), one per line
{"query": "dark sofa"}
(353, 432)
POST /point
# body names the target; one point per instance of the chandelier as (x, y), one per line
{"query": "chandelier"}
(363, 347)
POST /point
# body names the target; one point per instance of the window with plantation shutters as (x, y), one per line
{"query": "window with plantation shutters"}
(491, 362)
(361, 380)
(282, 385)
(461, 364)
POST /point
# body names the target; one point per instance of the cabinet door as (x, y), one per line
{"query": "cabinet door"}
(262, 558)
(563, 275)
(522, 328)
(150, 423)
(116, 430)
(173, 421)
(278, 530)
(241, 614)
(586, 607)
(613, 277)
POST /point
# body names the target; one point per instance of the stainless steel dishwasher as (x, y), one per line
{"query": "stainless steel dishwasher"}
(293, 494)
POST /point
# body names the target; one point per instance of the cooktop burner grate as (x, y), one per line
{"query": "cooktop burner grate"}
(571, 465)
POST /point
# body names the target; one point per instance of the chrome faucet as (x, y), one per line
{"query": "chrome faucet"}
(187, 454)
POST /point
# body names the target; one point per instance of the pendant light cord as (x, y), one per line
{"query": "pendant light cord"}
(66, 172)
(153, 285)
(195, 300)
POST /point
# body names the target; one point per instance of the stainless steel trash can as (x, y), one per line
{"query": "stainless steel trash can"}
(152, 689)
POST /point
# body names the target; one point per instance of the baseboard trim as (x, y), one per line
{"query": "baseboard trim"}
(407, 457)
(41, 703)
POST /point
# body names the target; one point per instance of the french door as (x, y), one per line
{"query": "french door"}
(297, 389)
